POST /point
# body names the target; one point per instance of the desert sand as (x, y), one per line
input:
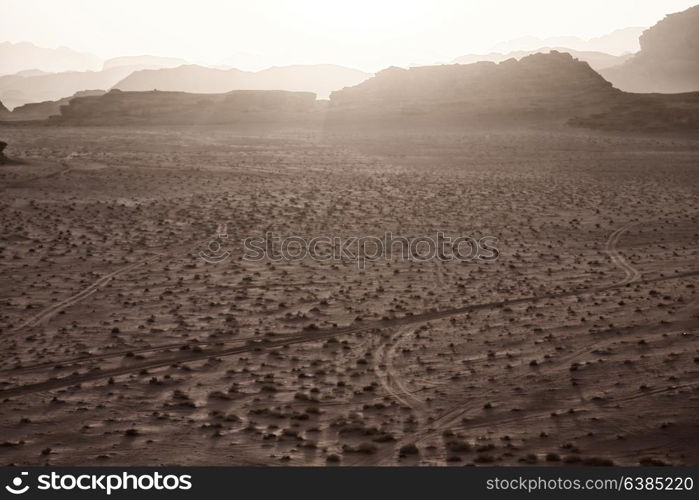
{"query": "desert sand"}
(122, 346)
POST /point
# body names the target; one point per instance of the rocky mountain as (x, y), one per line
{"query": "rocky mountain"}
(535, 86)
(596, 60)
(15, 57)
(320, 79)
(668, 60)
(18, 90)
(35, 87)
(46, 109)
(4, 112)
(157, 107)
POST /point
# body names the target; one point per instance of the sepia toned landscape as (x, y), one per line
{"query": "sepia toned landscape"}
(136, 331)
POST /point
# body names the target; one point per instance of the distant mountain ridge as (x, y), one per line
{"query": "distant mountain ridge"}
(17, 90)
(596, 60)
(16, 57)
(320, 79)
(540, 89)
(618, 42)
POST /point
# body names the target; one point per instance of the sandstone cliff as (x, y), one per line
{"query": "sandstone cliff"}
(668, 60)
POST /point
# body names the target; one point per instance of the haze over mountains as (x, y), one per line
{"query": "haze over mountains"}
(143, 61)
(618, 42)
(553, 88)
(38, 74)
(26, 58)
(538, 87)
(16, 90)
(320, 79)
(16, 57)
(668, 60)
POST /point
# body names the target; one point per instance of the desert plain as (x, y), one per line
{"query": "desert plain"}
(122, 345)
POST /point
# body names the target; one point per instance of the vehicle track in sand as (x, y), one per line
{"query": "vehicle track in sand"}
(631, 274)
(388, 376)
(454, 418)
(384, 368)
(311, 337)
(70, 362)
(54, 309)
(50, 311)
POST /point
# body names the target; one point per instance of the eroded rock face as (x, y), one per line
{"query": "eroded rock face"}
(668, 60)
(155, 107)
(4, 112)
(537, 83)
(46, 109)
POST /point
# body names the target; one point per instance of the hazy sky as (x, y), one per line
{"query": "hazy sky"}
(366, 34)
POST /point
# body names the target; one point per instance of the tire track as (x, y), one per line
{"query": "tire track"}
(375, 326)
(611, 248)
(50, 311)
(384, 368)
(47, 313)
(138, 350)
(386, 373)
(631, 275)
(453, 418)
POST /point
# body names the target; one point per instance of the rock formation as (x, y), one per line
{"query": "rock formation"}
(668, 60)
(46, 109)
(596, 60)
(4, 112)
(320, 79)
(17, 90)
(156, 107)
(536, 85)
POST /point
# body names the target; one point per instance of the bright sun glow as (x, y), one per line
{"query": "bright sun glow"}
(358, 16)
(365, 34)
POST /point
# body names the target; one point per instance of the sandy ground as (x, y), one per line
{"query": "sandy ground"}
(122, 346)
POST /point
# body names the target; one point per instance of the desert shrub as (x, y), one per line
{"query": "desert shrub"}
(409, 449)
(458, 446)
